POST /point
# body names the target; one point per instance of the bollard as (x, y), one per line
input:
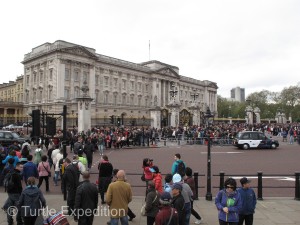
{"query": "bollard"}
(165, 142)
(196, 175)
(178, 141)
(64, 190)
(297, 186)
(222, 178)
(259, 186)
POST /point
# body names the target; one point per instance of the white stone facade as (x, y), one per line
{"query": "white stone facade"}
(135, 93)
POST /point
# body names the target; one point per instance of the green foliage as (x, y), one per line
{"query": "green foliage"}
(268, 102)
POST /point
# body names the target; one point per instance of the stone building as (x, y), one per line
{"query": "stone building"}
(11, 102)
(137, 94)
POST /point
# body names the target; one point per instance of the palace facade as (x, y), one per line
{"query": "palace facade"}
(136, 94)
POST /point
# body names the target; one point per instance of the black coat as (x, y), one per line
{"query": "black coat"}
(178, 204)
(70, 177)
(86, 196)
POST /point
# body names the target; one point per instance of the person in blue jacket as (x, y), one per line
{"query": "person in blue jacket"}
(249, 202)
(228, 202)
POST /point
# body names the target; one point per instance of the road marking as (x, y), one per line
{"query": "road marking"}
(223, 152)
(276, 178)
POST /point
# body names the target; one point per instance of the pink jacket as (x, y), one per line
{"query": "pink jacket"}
(42, 171)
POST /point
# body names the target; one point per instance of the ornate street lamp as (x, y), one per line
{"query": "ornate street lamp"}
(208, 195)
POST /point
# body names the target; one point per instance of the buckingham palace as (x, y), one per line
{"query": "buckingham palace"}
(124, 93)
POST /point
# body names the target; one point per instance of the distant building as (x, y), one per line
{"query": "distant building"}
(238, 94)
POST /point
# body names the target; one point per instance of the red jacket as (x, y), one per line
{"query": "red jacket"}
(163, 216)
(157, 180)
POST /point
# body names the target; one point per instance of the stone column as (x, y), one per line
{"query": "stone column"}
(155, 115)
(84, 109)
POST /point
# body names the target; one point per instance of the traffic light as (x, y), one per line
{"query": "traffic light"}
(51, 126)
(112, 119)
(119, 121)
(36, 123)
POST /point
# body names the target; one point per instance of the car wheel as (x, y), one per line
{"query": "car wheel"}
(273, 146)
(245, 146)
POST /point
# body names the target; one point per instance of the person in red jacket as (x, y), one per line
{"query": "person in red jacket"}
(167, 214)
(157, 179)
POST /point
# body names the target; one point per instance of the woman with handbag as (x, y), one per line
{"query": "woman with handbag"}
(44, 172)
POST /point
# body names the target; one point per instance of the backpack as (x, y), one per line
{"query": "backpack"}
(181, 168)
(75, 165)
(8, 181)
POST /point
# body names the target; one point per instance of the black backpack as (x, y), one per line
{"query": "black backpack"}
(75, 165)
(8, 181)
(181, 168)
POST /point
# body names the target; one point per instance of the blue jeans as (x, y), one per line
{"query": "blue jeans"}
(187, 209)
(115, 221)
(101, 148)
(56, 175)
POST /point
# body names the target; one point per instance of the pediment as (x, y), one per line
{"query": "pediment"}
(167, 71)
(80, 51)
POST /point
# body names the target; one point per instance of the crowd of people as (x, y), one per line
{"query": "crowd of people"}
(168, 199)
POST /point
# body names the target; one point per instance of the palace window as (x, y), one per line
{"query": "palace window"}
(67, 74)
(106, 81)
(50, 74)
(76, 75)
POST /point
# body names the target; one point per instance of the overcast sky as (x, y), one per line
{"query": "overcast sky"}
(251, 44)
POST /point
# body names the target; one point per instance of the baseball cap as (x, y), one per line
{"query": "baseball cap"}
(176, 178)
(177, 186)
(165, 196)
(245, 180)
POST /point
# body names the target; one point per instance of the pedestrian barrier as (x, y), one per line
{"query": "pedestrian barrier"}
(260, 186)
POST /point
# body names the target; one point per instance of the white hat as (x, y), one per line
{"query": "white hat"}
(176, 178)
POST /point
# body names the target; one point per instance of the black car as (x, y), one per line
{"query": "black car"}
(7, 138)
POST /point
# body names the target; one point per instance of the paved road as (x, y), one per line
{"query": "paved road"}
(282, 162)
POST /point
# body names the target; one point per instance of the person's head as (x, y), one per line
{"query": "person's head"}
(230, 184)
(176, 178)
(31, 181)
(177, 156)
(121, 175)
(85, 175)
(19, 166)
(245, 182)
(165, 198)
(67, 161)
(176, 189)
(29, 158)
(145, 162)
(115, 171)
(104, 157)
(38, 146)
(80, 152)
(188, 171)
(44, 158)
(168, 178)
(13, 153)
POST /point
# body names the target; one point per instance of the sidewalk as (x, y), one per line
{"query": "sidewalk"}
(270, 211)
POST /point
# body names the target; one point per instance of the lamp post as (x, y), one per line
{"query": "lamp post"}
(208, 195)
(143, 118)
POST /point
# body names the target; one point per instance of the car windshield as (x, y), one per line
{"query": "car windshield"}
(15, 135)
